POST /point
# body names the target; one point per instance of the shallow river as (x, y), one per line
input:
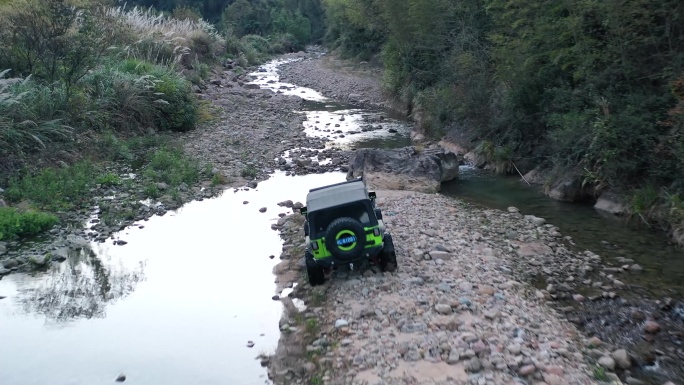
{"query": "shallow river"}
(179, 303)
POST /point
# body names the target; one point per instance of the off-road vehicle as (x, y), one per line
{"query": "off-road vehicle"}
(344, 226)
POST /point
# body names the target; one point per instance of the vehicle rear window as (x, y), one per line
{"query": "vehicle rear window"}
(322, 219)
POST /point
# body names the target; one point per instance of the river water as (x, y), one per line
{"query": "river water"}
(179, 303)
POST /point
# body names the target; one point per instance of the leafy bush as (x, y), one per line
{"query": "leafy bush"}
(54, 188)
(15, 223)
(53, 40)
(171, 166)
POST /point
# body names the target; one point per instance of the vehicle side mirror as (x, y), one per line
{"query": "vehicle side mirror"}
(372, 195)
(303, 210)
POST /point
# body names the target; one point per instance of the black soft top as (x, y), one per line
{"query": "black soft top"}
(336, 195)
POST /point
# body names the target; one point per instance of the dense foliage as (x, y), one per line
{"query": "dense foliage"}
(589, 87)
(301, 20)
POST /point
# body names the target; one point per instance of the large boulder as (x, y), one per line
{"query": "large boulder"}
(537, 175)
(404, 168)
(611, 203)
(567, 189)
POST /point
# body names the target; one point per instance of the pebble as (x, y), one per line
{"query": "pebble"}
(607, 362)
(652, 327)
(340, 323)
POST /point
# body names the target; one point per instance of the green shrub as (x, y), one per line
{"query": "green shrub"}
(284, 43)
(259, 43)
(109, 179)
(54, 189)
(171, 166)
(14, 223)
(179, 112)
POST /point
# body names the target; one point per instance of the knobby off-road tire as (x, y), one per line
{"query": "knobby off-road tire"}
(388, 257)
(344, 228)
(314, 272)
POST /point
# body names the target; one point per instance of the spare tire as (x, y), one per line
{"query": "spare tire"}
(345, 238)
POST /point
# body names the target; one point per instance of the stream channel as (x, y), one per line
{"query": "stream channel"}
(179, 303)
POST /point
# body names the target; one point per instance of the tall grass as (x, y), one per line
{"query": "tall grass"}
(139, 96)
(168, 41)
(26, 111)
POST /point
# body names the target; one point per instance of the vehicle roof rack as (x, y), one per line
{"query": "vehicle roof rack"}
(359, 179)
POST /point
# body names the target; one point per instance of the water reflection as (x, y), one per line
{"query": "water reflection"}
(81, 287)
(176, 305)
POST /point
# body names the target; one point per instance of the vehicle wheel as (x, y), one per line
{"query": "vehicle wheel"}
(313, 271)
(345, 238)
(388, 257)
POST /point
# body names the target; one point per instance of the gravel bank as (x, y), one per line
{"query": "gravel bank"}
(344, 81)
(454, 313)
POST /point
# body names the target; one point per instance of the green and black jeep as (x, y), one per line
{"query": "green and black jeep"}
(344, 226)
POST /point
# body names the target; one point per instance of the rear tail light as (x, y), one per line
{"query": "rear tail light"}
(376, 231)
(314, 245)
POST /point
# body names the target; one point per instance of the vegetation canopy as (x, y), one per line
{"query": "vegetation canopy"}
(582, 87)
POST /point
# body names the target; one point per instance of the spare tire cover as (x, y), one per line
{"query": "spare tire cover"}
(345, 238)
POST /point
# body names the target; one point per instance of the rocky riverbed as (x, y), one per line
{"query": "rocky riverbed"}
(455, 312)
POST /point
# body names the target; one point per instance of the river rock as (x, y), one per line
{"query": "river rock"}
(652, 327)
(567, 189)
(340, 323)
(39, 260)
(635, 268)
(10, 263)
(535, 220)
(404, 168)
(527, 370)
(533, 249)
(60, 254)
(439, 254)
(607, 362)
(621, 358)
(3, 248)
(611, 203)
(443, 308)
(77, 242)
